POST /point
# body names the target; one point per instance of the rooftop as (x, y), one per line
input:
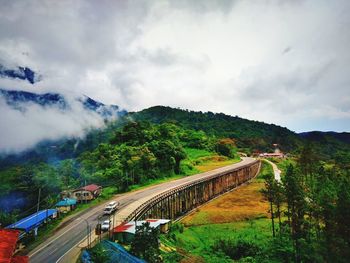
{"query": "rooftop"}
(30, 222)
(129, 227)
(67, 202)
(90, 188)
(8, 241)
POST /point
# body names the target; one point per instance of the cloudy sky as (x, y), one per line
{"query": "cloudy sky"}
(282, 62)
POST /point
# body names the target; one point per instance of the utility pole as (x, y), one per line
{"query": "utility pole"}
(84, 193)
(37, 211)
(38, 205)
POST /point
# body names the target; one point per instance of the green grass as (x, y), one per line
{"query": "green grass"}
(193, 154)
(265, 169)
(194, 158)
(198, 240)
(284, 163)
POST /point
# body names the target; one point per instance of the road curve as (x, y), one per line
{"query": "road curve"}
(276, 171)
(59, 247)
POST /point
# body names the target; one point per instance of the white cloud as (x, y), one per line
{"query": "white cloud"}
(24, 129)
(283, 62)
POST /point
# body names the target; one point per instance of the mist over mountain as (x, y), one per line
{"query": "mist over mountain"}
(29, 118)
(23, 73)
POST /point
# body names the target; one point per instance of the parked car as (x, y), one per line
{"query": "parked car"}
(105, 225)
(110, 208)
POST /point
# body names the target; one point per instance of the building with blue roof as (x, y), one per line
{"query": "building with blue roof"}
(66, 205)
(114, 253)
(33, 221)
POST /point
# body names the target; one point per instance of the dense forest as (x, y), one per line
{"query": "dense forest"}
(133, 154)
(309, 210)
(142, 146)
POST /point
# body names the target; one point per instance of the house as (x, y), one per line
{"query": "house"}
(126, 231)
(8, 245)
(87, 193)
(272, 155)
(66, 205)
(276, 154)
(31, 223)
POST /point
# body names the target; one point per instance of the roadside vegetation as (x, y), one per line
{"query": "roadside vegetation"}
(302, 219)
(241, 213)
(137, 155)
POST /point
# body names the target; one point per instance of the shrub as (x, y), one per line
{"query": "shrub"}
(236, 249)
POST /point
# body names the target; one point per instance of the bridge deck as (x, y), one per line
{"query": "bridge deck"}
(64, 245)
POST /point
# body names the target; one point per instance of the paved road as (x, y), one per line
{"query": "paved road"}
(58, 247)
(276, 171)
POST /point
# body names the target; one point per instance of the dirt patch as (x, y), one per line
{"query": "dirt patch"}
(193, 259)
(211, 165)
(243, 203)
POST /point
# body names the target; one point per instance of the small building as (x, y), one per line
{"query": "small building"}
(8, 246)
(125, 232)
(31, 223)
(272, 155)
(66, 205)
(87, 193)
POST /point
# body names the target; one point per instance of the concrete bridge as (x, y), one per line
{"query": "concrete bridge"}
(177, 201)
(167, 200)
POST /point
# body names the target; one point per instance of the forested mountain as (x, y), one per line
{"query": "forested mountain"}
(250, 136)
(132, 149)
(253, 135)
(328, 143)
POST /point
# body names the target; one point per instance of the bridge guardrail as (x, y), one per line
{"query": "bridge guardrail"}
(154, 200)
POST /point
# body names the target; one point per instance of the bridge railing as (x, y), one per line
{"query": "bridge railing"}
(143, 208)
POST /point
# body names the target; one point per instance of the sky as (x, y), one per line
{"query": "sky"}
(283, 62)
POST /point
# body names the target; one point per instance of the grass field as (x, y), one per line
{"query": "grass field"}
(195, 244)
(238, 215)
(203, 161)
(243, 203)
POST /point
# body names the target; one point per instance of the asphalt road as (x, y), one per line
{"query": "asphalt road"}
(59, 245)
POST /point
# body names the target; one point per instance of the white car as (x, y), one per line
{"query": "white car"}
(105, 225)
(110, 208)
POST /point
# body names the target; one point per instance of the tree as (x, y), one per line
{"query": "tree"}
(296, 204)
(226, 147)
(146, 243)
(270, 195)
(67, 172)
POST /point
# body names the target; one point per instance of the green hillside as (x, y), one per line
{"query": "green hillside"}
(150, 145)
(252, 135)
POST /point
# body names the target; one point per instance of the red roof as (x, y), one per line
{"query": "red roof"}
(122, 227)
(20, 259)
(8, 241)
(91, 187)
(152, 220)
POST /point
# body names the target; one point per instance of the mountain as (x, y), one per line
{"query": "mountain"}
(63, 147)
(250, 136)
(254, 136)
(327, 144)
(327, 137)
(20, 100)
(23, 73)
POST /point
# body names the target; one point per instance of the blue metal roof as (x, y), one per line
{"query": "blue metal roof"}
(30, 222)
(115, 253)
(67, 202)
